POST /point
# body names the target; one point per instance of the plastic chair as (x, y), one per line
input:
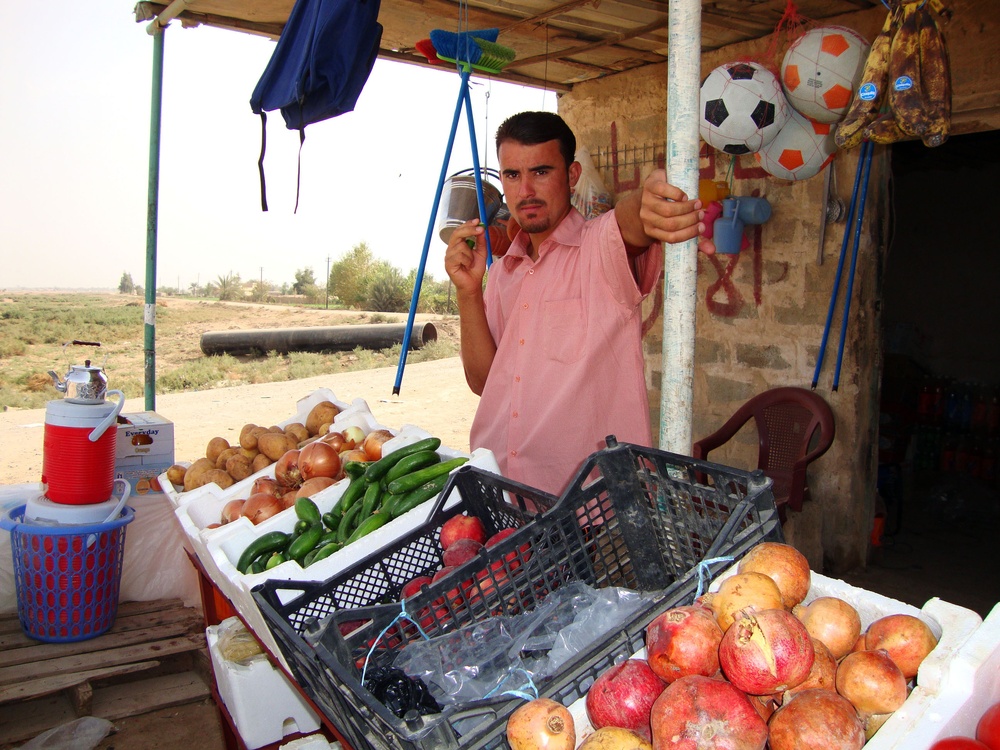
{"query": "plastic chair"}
(794, 427)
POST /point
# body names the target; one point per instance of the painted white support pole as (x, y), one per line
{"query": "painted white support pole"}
(680, 283)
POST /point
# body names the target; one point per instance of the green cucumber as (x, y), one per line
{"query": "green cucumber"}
(300, 526)
(415, 479)
(415, 497)
(274, 560)
(374, 521)
(305, 542)
(273, 541)
(257, 566)
(370, 502)
(355, 469)
(306, 510)
(310, 556)
(411, 463)
(348, 522)
(331, 521)
(355, 490)
(327, 538)
(321, 553)
(380, 468)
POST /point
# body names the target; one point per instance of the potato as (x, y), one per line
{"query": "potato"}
(249, 440)
(192, 477)
(176, 474)
(275, 444)
(245, 432)
(239, 467)
(298, 431)
(321, 414)
(218, 476)
(251, 454)
(215, 447)
(220, 462)
(260, 462)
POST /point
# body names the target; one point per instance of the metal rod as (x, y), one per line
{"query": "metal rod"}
(152, 220)
(680, 283)
(463, 92)
(854, 262)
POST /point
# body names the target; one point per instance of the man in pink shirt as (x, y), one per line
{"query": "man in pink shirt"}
(554, 345)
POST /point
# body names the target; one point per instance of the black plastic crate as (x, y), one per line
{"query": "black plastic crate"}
(633, 517)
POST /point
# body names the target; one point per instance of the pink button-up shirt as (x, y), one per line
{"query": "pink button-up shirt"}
(569, 367)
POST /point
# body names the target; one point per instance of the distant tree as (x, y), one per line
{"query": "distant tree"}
(126, 285)
(261, 291)
(229, 287)
(389, 290)
(303, 277)
(350, 277)
(195, 288)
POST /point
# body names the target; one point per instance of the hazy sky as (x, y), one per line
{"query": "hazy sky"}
(75, 102)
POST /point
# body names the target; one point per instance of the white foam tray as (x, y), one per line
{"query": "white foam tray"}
(357, 413)
(954, 627)
(263, 702)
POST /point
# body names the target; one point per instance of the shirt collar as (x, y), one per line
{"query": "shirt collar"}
(569, 233)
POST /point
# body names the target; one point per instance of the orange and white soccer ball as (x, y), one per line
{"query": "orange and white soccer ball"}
(821, 70)
(800, 149)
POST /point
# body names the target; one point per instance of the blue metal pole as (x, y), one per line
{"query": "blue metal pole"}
(854, 261)
(463, 94)
(479, 178)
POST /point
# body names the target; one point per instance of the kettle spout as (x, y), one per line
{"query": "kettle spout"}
(57, 382)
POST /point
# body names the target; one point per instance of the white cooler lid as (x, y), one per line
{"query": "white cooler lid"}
(41, 509)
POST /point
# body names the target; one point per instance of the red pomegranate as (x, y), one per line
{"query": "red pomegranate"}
(684, 641)
(766, 652)
(705, 713)
(623, 697)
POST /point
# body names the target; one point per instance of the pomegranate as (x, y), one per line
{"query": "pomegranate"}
(462, 526)
(684, 641)
(784, 565)
(822, 674)
(766, 652)
(541, 724)
(871, 681)
(704, 713)
(623, 696)
(740, 591)
(833, 621)
(816, 719)
(906, 638)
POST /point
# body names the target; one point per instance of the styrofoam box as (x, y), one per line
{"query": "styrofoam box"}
(220, 549)
(264, 704)
(357, 413)
(954, 626)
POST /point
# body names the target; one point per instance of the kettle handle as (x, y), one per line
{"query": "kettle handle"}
(110, 419)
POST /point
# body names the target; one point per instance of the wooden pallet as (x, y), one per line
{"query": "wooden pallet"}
(154, 657)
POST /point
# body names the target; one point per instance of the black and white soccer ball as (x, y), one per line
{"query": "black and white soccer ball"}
(742, 108)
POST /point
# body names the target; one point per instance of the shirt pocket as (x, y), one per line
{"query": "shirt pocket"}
(565, 330)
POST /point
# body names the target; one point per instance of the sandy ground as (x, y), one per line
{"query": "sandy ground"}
(433, 396)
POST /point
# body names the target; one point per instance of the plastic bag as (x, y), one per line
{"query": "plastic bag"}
(589, 197)
(237, 644)
(81, 734)
(508, 655)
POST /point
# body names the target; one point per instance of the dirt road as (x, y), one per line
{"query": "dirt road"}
(433, 396)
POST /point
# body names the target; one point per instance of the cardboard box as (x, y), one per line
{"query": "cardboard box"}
(146, 435)
(142, 473)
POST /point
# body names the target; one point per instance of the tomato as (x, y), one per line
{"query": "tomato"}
(988, 730)
(958, 743)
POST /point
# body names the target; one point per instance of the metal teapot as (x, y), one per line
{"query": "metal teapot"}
(83, 384)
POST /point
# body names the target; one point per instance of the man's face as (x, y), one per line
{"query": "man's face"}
(536, 184)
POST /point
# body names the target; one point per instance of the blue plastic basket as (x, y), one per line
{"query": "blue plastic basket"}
(67, 577)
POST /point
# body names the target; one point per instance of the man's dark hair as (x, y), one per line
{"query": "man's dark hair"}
(532, 128)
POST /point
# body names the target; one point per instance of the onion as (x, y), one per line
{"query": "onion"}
(816, 719)
(541, 724)
(373, 443)
(906, 638)
(872, 682)
(266, 484)
(286, 469)
(683, 641)
(232, 510)
(354, 436)
(766, 652)
(822, 674)
(318, 459)
(312, 486)
(288, 499)
(260, 507)
(739, 592)
(784, 565)
(833, 621)
(336, 441)
(355, 454)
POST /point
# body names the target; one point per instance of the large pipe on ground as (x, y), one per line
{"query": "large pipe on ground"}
(318, 339)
